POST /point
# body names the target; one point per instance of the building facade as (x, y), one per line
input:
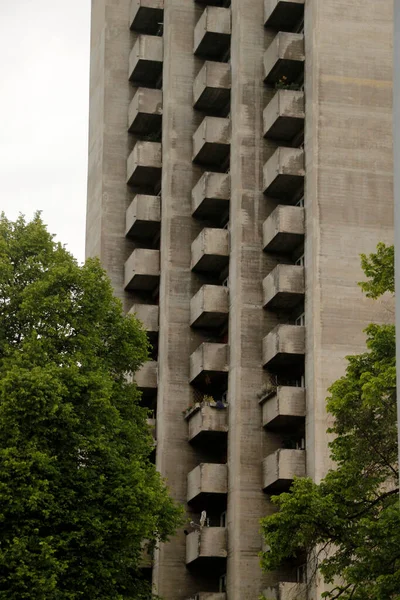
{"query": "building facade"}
(240, 160)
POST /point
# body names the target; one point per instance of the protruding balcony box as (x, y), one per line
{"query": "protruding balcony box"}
(212, 87)
(207, 423)
(146, 376)
(145, 112)
(142, 269)
(210, 250)
(148, 316)
(287, 591)
(209, 362)
(284, 407)
(284, 346)
(206, 546)
(146, 15)
(283, 231)
(283, 15)
(281, 467)
(144, 165)
(284, 115)
(284, 58)
(209, 307)
(143, 217)
(211, 196)
(152, 424)
(283, 288)
(146, 61)
(211, 142)
(207, 480)
(212, 34)
(284, 173)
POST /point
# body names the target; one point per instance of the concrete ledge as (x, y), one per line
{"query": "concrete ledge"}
(207, 423)
(207, 479)
(284, 59)
(284, 229)
(284, 173)
(210, 250)
(211, 142)
(211, 197)
(146, 16)
(209, 307)
(146, 376)
(284, 409)
(146, 61)
(212, 34)
(284, 115)
(286, 591)
(148, 315)
(283, 288)
(283, 15)
(144, 165)
(281, 467)
(209, 543)
(143, 217)
(212, 87)
(145, 112)
(209, 359)
(142, 269)
(284, 346)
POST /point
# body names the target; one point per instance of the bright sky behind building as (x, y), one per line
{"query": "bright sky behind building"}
(44, 96)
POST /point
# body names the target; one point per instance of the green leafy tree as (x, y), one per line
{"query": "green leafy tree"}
(349, 524)
(78, 492)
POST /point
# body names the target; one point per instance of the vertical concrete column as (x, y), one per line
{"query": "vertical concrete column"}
(175, 457)
(248, 323)
(108, 195)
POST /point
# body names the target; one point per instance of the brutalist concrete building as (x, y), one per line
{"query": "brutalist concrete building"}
(240, 161)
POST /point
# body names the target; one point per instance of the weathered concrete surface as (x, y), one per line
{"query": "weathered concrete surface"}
(212, 35)
(205, 422)
(284, 345)
(146, 376)
(209, 307)
(283, 15)
(284, 173)
(210, 542)
(284, 229)
(142, 269)
(212, 87)
(145, 112)
(210, 250)
(287, 591)
(284, 59)
(145, 61)
(281, 467)
(211, 142)
(283, 408)
(146, 15)
(143, 216)
(207, 479)
(283, 288)
(284, 115)
(209, 358)
(148, 315)
(210, 197)
(143, 169)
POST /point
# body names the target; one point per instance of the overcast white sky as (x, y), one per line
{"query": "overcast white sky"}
(44, 87)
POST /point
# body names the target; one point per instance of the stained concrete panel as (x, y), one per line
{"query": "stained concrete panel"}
(280, 468)
(284, 115)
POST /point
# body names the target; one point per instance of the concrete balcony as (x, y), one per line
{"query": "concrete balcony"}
(284, 59)
(142, 270)
(209, 364)
(152, 424)
(212, 34)
(283, 15)
(146, 16)
(283, 288)
(211, 197)
(287, 591)
(284, 115)
(280, 468)
(146, 61)
(208, 546)
(284, 408)
(284, 229)
(209, 308)
(148, 315)
(210, 250)
(284, 346)
(212, 87)
(145, 112)
(144, 165)
(146, 376)
(207, 423)
(206, 482)
(284, 173)
(211, 142)
(143, 217)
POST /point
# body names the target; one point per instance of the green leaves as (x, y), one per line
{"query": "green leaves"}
(78, 493)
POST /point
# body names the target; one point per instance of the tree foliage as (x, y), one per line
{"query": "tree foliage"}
(349, 524)
(78, 492)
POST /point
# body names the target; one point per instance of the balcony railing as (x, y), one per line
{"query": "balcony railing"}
(146, 16)
(209, 364)
(284, 229)
(284, 173)
(207, 423)
(145, 112)
(210, 250)
(284, 59)
(287, 591)
(284, 408)
(212, 34)
(207, 482)
(206, 546)
(209, 308)
(211, 197)
(283, 288)
(280, 468)
(211, 142)
(142, 270)
(283, 15)
(143, 217)
(146, 376)
(212, 88)
(148, 316)
(284, 346)
(146, 61)
(284, 115)
(144, 165)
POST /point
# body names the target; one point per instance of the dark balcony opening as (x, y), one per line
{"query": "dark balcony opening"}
(149, 400)
(214, 505)
(286, 16)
